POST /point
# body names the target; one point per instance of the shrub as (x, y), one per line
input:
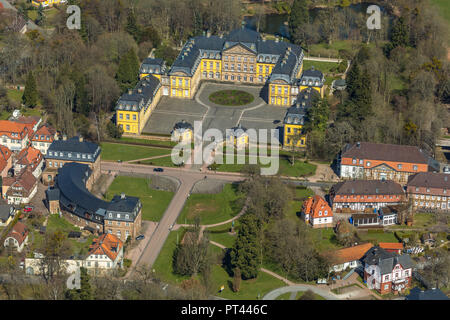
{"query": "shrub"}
(127, 263)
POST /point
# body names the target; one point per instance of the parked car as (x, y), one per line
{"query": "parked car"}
(27, 209)
(140, 237)
(158, 170)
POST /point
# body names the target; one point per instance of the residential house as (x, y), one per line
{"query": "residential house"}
(105, 254)
(32, 122)
(21, 188)
(6, 214)
(5, 161)
(31, 159)
(317, 212)
(121, 216)
(75, 149)
(429, 191)
(15, 136)
(395, 247)
(365, 195)
(18, 237)
(343, 259)
(377, 161)
(182, 132)
(387, 272)
(43, 138)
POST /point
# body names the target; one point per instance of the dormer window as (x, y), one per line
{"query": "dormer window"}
(70, 155)
(399, 166)
(118, 216)
(127, 216)
(110, 215)
(61, 154)
(83, 156)
(78, 155)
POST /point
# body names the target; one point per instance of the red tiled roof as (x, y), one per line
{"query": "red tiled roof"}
(5, 154)
(46, 132)
(19, 232)
(391, 245)
(351, 253)
(9, 127)
(29, 157)
(317, 204)
(107, 244)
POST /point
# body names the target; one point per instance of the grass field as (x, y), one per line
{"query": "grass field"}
(146, 141)
(324, 239)
(211, 208)
(154, 202)
(377, 237)
(324, 67)
(114, 151)
(444, 8)
(295, 206)
(15, 95)
(301, 293)
(162, 162)
(222, 235)
(231, 97)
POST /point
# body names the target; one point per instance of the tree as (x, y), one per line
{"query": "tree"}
(345, 233)
(132, 26)
(30, 95)
(298, 18)
(40, 20)
(127, 73)
(400, 33)
(237, 280)
(317, 116)
(114, 131)
(190, 256)
(85, 292)
(246, 251)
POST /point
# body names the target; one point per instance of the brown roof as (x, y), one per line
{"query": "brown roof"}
(5, 154)
(430, 180)
(351, 253)
(107, 244)
(19, 232)
(386, 152)
(29, 156)
(24, 179)
(44, 131)
(391, 245)
(367, 187)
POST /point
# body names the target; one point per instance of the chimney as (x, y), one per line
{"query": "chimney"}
(64, 137)
(208, 34)
(130, 91)
(122, 195)
(358, 145)
(80, 138)
(140, 90)
(276, 39)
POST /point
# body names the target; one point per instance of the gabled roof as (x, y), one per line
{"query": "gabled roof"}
(391, 245)
(72, 145)
(5, 154)
(141, 96)
(367, 187)
(19, 232)
(350, 254)
(107, 244)
(385, 152)
(24, 180)
(430, 180)
(42, 133)
(29, 157)
(314, 205)
(9, 127)
(385, 260)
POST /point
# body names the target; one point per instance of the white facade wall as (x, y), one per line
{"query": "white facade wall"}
(20, 200)
(323, 220)
(41, 146)
(13, 144)
(352, 172)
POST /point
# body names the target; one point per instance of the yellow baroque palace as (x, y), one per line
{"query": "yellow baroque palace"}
(242, 56)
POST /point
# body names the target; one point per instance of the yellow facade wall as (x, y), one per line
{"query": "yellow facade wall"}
(289, 131)
(280, 94)
(211, 65)
(263, 69)
(318, 89)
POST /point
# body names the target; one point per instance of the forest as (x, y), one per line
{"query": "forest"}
(397, 89)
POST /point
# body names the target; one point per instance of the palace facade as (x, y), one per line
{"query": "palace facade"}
(241, 56)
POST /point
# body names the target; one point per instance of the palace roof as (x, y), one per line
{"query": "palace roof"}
(140, 96)
(367, 187)
(430, 180)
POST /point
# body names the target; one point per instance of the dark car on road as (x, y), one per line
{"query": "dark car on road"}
(140, 237)
(158, 170)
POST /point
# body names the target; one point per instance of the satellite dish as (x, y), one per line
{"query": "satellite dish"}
(16, 113)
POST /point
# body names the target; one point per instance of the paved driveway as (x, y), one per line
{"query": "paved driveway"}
(272, 295)
(256, 115)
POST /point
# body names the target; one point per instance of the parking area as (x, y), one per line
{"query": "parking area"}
(256, 115)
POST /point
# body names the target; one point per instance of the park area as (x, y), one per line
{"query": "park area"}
(231, 97)
(212, 208)
(249, 289)
(154, 202)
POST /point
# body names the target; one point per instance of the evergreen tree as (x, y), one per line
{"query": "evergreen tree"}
(85, 292)
(400, 33)
(150, 34)
(81, 100)
(127, 73)
(246, 252)
(317, 116)
(297, 19)
(132, 26)
(30, 95)
(40, 15)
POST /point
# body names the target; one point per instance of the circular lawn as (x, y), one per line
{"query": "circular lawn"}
(231, 97)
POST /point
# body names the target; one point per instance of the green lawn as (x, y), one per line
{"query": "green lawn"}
(249, 288)
(221, 234)
(324, 67)
(211, 208)
(15, 95)
(154, 202)
(55, 223)
(114, 151)
(421, 220)
(295, 206)
(162, 162)
(231, 97)
(301, 293)
(4, 115)
(324, 239)
(166, 143)
(443, 8)
(284, 296)
(378, 237)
